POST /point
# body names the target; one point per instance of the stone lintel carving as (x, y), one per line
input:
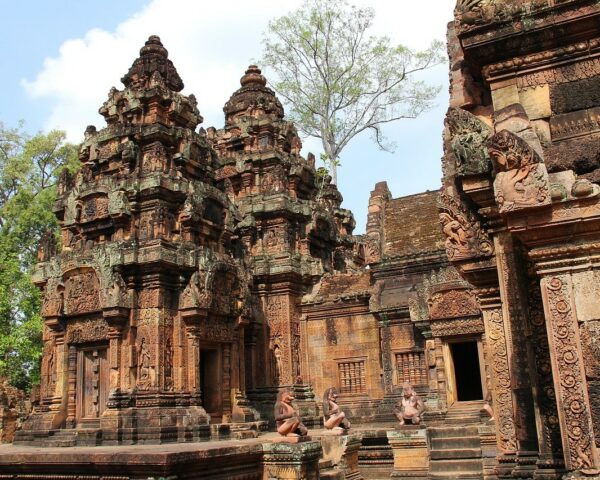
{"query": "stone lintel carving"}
(93, 329)
(452, 303)
(468, 142)
(521, 176)
(457, 326)
(465, 238)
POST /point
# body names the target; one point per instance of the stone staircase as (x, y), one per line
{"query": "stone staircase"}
(63, 438)
(465, 413)
(455, 452)
(327, 471)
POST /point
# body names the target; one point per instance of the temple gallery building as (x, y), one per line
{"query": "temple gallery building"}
(203, 272)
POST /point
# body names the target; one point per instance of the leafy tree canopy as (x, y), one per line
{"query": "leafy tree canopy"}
(29, 170)
(340, 81)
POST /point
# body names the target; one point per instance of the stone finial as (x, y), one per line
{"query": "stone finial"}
(153, 58)
(253, 77)
(254, 98)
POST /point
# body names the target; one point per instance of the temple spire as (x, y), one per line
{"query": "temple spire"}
(153, 58)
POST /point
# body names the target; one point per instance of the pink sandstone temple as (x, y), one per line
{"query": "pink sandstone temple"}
(205, 275)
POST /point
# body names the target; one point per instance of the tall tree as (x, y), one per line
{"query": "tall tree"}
(29, 170)
(340, 81)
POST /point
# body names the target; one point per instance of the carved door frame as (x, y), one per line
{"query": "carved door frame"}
(451, 389)
(103, 380)
(219, 349)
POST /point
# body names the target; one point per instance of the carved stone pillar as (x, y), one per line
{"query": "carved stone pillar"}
(411, 452)
(114, 349)
(227, 381)
(551, 462)
(281, 329)
(514, 307)
(72, 386)
(502, 400)
(241, 364)
(440, 373)
(568, 367)
(386, 355)
(193, 365)
(251, 355)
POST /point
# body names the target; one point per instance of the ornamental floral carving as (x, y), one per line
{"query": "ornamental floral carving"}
(468, 142)
(521, 176)
(569, 380)
(465, 238)
(501, 381)
(546, 397)
(93, 329)
(453, 303)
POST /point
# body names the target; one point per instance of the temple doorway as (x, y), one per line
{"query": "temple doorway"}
(464, 360)
(210, 382)
(93, 383)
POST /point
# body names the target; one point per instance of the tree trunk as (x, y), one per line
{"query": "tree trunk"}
(333, 171)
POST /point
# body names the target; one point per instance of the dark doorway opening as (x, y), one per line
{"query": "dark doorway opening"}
(467, 373)
(210, 381)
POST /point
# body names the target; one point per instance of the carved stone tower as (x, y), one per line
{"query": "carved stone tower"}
(145, 306)
(292, 226)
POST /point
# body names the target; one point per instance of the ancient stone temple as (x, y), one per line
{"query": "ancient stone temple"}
(204, 275)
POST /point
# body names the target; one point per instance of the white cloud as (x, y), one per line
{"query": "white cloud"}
(210, 43)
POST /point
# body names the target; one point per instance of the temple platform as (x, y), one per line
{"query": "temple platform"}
(253, 458)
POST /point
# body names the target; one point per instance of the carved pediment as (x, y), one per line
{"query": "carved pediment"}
(464, 235)
(521, 176)
(195, 294)
(116, 294)
(82, 293)
(468, 142)
(509, 151)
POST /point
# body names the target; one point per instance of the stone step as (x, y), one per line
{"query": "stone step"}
(462, 420)
(450, 454)
(244, 434)
(456, 466)
(449, 443)
(333, 474)
(439, 432)
(452, 476)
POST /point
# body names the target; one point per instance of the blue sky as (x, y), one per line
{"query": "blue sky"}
(61, 57)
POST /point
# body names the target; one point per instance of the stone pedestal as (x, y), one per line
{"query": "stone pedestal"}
(411, 452)
(342, 452)
(489, 450)
(287, 461)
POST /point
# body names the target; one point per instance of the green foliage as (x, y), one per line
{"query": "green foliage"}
(29, 170)
(338, 80)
